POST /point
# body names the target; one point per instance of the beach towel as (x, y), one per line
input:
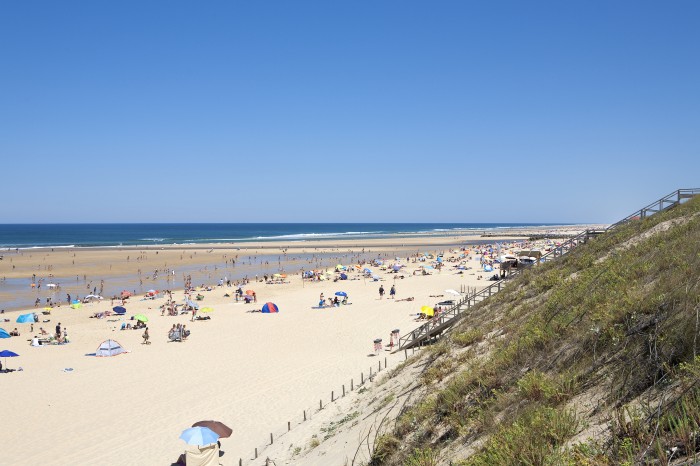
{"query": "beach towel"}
(202, 456)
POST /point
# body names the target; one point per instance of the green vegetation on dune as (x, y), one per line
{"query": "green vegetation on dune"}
(590, 359)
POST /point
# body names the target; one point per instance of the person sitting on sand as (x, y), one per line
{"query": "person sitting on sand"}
(42, 331)
(14, 333)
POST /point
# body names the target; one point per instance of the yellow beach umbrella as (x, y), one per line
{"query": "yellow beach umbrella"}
(206, 309)
(427, 310)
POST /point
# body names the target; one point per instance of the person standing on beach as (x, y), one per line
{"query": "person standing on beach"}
(381, 291)
(392, 292)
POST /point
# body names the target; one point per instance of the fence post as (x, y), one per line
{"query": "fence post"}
(362, 377)
(289, 426)
(384, 363)
(320, 404)
(271, 439)
(343, 390)
(352, 383)
(405, 353)
(304, 415)
(256, 453)
(332, 396)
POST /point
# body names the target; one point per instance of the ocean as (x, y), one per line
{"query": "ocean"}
(153, 234)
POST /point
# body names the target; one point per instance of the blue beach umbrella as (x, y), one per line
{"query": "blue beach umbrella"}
(7, 354)
(119, 310)
(199, 436)
(340, 293)
(3, 333)
(25, 319)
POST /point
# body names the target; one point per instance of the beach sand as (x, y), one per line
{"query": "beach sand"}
(254, 372)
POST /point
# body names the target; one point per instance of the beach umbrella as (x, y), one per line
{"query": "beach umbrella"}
(141, 318)
(48, 309)
(206, 309)
(76, 305)
(199, 436)
(396, 267)
(454, 292)
(249, 292)
(340, 293)
(427, 310)
(7, 354)
(219, 428)
(367, 271)
(25, 319)
(343, 276)
(119, 309)
(192, 304)
(3, 333)
(270, 308)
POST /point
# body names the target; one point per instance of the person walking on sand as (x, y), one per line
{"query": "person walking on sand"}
(381, 291)
(392, 292)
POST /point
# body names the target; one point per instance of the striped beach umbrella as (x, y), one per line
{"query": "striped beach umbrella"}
(270, 308)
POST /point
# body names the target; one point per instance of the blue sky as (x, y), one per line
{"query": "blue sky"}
(362, 111)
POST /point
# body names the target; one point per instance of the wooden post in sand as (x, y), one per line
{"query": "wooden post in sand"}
(320, 404)
(405, 353)
(256, 452)
(343, 390)
(332, 397)
(352, 384)
(240, 461)
(289, 426)
(380, 367)
(384, 363)
(304, 415)
(362, 378)
(271, 439)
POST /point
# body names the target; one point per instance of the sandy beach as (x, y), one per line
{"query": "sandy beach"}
(254, 372)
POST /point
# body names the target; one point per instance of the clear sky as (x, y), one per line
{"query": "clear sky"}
(346, 111)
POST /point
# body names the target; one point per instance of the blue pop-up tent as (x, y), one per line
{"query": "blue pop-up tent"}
(25, 319)
(3, 333)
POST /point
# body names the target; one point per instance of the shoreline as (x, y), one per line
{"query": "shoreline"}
(306, 239)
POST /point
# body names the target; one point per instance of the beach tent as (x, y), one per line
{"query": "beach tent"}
(25, 319)
(109, 348)
(270, 308)
(3, 333)
(488, 268)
